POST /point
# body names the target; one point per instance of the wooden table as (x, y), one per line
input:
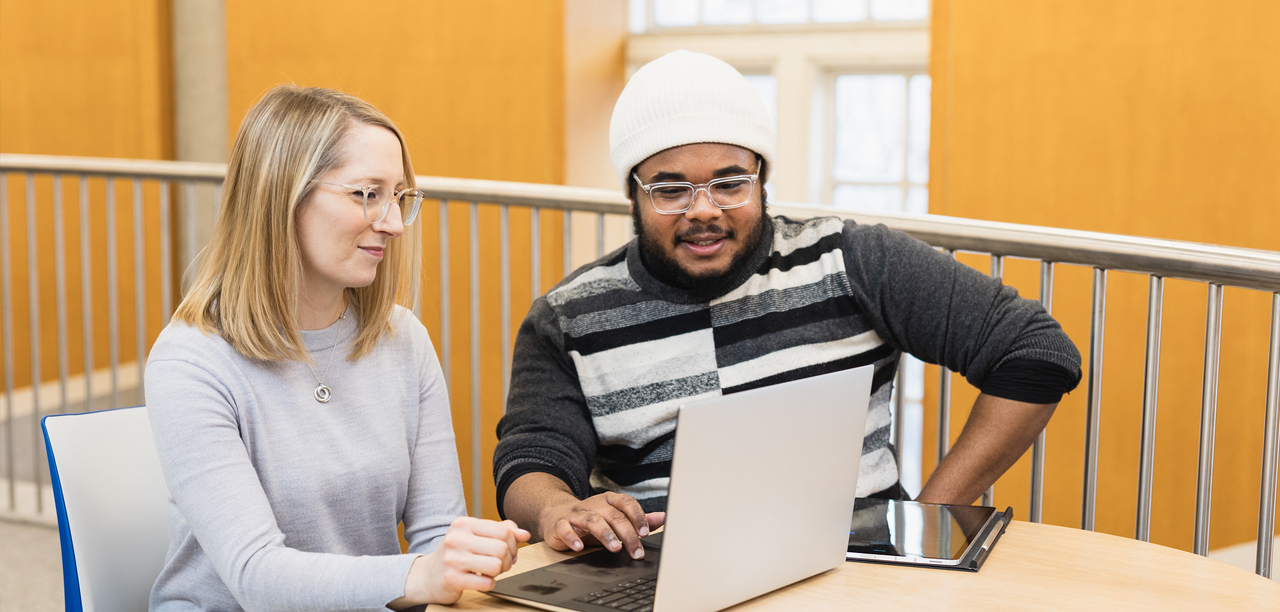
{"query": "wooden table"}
(1033, 567)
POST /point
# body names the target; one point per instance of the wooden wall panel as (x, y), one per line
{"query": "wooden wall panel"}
(86, 79)
(1136, 117)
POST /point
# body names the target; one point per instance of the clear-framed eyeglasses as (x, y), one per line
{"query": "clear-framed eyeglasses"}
(377, 201)
(677, 198)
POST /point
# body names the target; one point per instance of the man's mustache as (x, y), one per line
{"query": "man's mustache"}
(704, 232)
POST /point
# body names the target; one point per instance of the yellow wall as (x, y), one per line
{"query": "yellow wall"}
(92, 79)
(477, 88)
(1147, 118)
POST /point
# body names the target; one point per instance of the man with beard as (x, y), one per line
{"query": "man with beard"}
(714, 296)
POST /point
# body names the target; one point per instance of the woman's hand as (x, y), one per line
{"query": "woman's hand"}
(473, 553)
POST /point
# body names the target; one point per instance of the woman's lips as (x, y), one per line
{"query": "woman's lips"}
(375, 251)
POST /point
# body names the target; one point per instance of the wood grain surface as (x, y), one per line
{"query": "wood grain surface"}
(1033, 567)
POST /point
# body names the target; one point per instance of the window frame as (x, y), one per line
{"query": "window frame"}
(829, 144)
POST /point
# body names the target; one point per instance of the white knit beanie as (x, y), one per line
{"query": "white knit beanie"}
(684, 98)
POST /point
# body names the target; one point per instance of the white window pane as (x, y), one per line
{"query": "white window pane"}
(782, 11)
(868, 198)
(918, 129)
(725, 12)
(870, 126)
(899, 9)
(839, 10)
(917, 201)
(638, 16)
(675, 13)
(767, 88)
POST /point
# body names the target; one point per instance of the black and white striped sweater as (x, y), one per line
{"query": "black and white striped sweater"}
(604, 359)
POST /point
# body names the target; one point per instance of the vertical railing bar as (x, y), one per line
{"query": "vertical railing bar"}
(1092, 412)
(60, 288)
(33, 319)
(7, 299)
(1270, 448)
(997, 272)
(568, 242)
(139, 291)
(944, 403)
(535, 253)
(113, 298)
(504, 261)
(86, 294)
(599, 235)
(166, 269)
(189, 249)
(899, 404)
(1208, 418)
(445, 334)
(473, 237)
(1037, 448)
(1150, 393)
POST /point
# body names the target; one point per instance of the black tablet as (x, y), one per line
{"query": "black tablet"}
(938, 535)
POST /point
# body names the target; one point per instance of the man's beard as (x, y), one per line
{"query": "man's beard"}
(666, 269)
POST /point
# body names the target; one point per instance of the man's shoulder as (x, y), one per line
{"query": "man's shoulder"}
(824, 233)
(609, 273)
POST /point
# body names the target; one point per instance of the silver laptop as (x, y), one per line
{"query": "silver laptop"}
(762, 488)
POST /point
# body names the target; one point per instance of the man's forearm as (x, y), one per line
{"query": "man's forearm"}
(532, 493)
(995, 436)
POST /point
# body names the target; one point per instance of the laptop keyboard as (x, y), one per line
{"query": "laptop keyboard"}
(630, 596)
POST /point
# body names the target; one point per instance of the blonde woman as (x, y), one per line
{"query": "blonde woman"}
(299, 412)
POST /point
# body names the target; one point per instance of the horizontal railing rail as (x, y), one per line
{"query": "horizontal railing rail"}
(1239, 267)
(1216, 266)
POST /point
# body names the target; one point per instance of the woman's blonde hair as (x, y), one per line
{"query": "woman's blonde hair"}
(246, 287)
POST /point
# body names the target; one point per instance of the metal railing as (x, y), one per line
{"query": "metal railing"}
(1216, 266)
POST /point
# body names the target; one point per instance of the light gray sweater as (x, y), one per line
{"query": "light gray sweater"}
(279, 502)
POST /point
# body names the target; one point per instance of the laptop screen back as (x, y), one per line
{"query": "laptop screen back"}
(762, 486)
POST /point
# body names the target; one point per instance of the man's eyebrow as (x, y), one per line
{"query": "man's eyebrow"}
(733, 170)
(666, 176)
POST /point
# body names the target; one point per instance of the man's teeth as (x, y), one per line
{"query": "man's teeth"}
(706, 242)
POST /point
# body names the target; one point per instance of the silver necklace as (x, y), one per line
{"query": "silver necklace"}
(322, 392)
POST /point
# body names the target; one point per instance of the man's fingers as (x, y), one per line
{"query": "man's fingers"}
(567, 535)
(599, 528)
(625, 531)
(655, 519)
(629, 506)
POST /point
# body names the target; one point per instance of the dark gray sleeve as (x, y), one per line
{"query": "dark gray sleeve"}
(547, 427)
(944, 312)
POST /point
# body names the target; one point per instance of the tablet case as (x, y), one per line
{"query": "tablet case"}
(972, 561)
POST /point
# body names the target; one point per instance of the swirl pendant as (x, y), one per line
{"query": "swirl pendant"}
(323, 394)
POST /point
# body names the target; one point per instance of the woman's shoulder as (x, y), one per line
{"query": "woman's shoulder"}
(183, 342)
(407, 327)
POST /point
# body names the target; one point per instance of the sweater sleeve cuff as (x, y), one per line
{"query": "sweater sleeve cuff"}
(381, 580)
(513, 473)
(1030, 380)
